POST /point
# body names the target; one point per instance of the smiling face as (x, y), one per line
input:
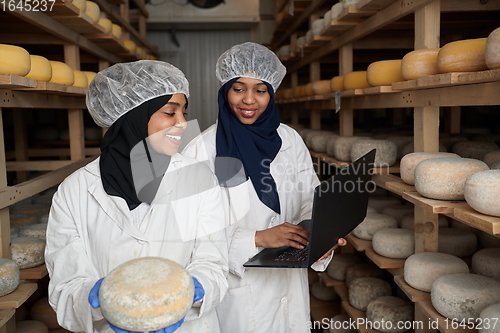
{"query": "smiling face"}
(248, 99)
(166, 125)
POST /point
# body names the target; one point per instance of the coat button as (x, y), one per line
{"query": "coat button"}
(141, 242)
(283, 299)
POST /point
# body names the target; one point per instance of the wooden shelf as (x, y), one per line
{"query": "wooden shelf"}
(16, 298)
(328, 281)
(323, 309)
(8, 81)
(335, 27)
(432, 205)
(469, 216)
(374, 4)
(73, 18)
(392, 183)
(6, 315)
(359, 244)
(57, 88)
(357, 316)
(413, 294)
(378, 90)
(35, 273)
(444, 324)
(353, 13)
(341, 290)
(342, 164)
(384, 262)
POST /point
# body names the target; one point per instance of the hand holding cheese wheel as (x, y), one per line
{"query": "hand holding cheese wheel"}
(62, 73)
(384, 73)
(14, 60)
(419, 63)
(492, 50)
(462, 56)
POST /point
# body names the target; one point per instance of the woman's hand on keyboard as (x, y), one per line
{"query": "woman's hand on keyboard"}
(285, 234)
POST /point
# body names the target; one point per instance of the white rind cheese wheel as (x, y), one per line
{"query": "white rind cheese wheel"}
(348, 3)
(323, 293)
(394, 243)
(464, 295)
(410, 161)
(27, 252)
(492, 50)
(490, 315)
(318, 142)
(317, 26)
(337, 83)
(337, 267)
(80, 79)
(487, 262)
(399, 211)
(379, 202)
(444, 178)
(322, 87)
(146, 294)
(43, 312)
(491, 157)
(384, 72)
(365, 269)
(386, 151)
(38, 230)
(80, 4)
(342, 147)
(309, 135)
(449, 141)
(408, 222)
(419, 63)
(93, 11)
(457, 242)
(341, 324)
(462, 56)
(9, 276)
(474, 149)
(31, 326)
(62, 73)
(410, 148)
(330, 145)
(14, 60)
(372, 223)
(365, 289)
(90, 75)
(41, 69)
(336, 10)
(356, 80)
(116, 31)
(482, 192)
(105, 24)
(400, 141)
(421, 269)
(388, 312)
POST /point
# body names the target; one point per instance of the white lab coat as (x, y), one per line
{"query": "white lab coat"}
(265, 299)
(90, 233)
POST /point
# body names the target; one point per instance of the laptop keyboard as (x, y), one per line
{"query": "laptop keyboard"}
(293, 254)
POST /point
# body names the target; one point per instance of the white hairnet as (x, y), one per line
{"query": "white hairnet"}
(250, 60)
(121, 87)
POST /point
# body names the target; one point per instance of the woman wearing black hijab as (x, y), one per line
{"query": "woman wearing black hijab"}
(140, 198)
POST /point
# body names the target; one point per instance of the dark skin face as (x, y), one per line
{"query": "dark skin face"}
(248, 99)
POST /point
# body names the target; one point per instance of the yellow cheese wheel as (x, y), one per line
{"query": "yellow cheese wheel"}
(419, 63)
(321, 87)
(296, 92)
(309, 89)
(80, 79)
(492, 50)
(130, 45)
(41, 69)
(80, 4)
(337, 83)
(384, 73)
(62, 73)
(9, 276)
(90, 75)
(146, 294)
(43, 312)
(356, 80)
(116, 30)
(14, 60)
(462, 56)
(93, 11)
(105, 24)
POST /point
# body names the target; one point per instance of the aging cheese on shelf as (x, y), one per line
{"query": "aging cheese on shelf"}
(322, 87)
(342, 147)
(444, 178)
(41, 69)
(340, 324)
(337, 83)
(449, 141)
(421, 269)
(400, 141)
(490, 314)
(80, 4)
(130, 45)
(27, 252)
(464, 295)
(14, 60)
(386, 151)
(457, 242)
(80, 79)
(31, 326)
(394, 243)
(330, 145)
(93, 11)
(372, 223)
(487, 262)
(311, 134)
(365, 289)
(364, 269)
(419, 63)
(384, 72)
(90, 75)
(388, 312)
(106, 24)
(399, 211)
(356, 80)
(462, 56)
(35, 230)
(337, 267)
(146, 294)
(492, 50)
(317, 26)
(482, 192)
(43, 312)
(323, 293)
(474, 149)
(336, 10)
(116, 30)
(62, 73)
(318, 142)
(9, 276)
(347, 3)
(410, 161)
(379, 202)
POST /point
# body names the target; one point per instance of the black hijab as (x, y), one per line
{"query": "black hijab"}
(115, 164)
(255, 145)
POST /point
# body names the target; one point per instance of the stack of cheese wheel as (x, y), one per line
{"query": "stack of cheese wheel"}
(14, 60)
(337, 267)
(482, 192)
(487, 262)
(90, 75)
(464, 295)
(457, 242)
(31, 326)
(336, 10)
(62, 73)
(43, 312)
(421, 269)
(372, 223)
(130, 45)
(342, 147)
(444, 178)
(322, 87)
(394, 243)
(337, 83)
(410, 161)
(379, 202)
(419, 63)
(317, 26)
(462, 56)
(80, 79)
(399, 211)
(41, 69)
(388, 312)
(356, 80)
(408, 222)
(9, 276)
(116, 31)
(492, 50)
(364, 269)
(93, 11)
(105, 24)
(474, 149)
(386, 151)
(27, 252)
(146, 294)
(323, 293)
(384, 72)
(365, 289)
(311, 134)
(319, 142)
(490, 315)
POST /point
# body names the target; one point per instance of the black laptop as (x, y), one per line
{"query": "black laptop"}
(339, 205)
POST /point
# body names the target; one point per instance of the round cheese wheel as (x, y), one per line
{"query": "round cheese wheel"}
(146, 294)
(444, 178)
(365, 289)
(399, 211)
(462, 56)
(330, 145)
(317, 26)
(327, 18)
(487, 262)
(342, 147)
(495, 165)
(80, 79)
(356, 80)
(43, 312)
(474, 149)
(27, 252)
(80, 4)
(31, 326)
(62, 73)
(90, 75)
(457, 242)
(486, 240)
(379, 202)
(337, 83)
(309, 136)
(105, 24)
(323, 293)
(419, 63)
(386, 151)
(372, 223)
(489, 317)
(41, 69)
(408, 222)
(410, 148)
(14, 60)
(93, 11)
(370, 210)
(301, 41)
(341, 323)
(348, 3)
(336, 10)
(303, 131)
(492, 50)
(309, 90)
(491, 157)
(384, 72)
(23, 220)
(388, 312)
(421, 269)
(9, 276)
(38, 230)
(410, 161)
(394, 243)
(116, 30)
(449, 141)
(482, 192)
(130, 45)
(322, 87)
(365, 269)
(319, 142)
(400, 141)
(464, 295)
(336, 268)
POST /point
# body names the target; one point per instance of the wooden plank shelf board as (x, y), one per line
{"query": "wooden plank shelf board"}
(478, 77)
(342, 291)
(359, 245)
(6, 315)
(35, 273)
(50, 87)
(336, 27)
(317, 155)
(352, 92)
(107, 42)
(76, 90)
(328, 281)
(393, 183)
(466, 214)
(374, 4)
(438, 80)
(413, 294)
(396, 271)
(378, 90)
(81, 23)
(405, 85)
(357, 316)
(353, 13)
(8, 81)
(63, 8)
(343, 164)
(318, 41)
(443, 324)
(435, 206)
(384, 262)
(16, 298)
